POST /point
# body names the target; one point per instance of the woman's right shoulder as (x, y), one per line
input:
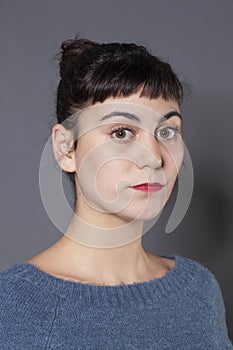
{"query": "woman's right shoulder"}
(8, 272)
(23, 305)
(11, 285)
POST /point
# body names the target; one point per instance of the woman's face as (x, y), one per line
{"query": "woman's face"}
(125, 142)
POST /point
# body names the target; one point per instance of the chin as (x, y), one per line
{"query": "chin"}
(141, 214)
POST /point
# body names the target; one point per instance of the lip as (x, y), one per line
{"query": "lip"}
(148, 187)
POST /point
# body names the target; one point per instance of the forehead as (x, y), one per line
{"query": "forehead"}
(132, 113)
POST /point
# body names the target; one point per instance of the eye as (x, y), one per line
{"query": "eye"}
(167, 133)
(122, 134)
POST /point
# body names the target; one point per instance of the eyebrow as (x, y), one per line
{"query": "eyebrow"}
(134, 117)
(171, 114)
(122, 114)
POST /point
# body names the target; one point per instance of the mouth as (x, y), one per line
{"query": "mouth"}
(148, 187)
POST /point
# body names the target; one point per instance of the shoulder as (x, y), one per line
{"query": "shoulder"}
(11, 278)
(203, 276)
(9, 281)
(23, 305)
(204, 285)
(14, 290)
(17, 292)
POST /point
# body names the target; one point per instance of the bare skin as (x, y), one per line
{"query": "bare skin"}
(125, 264)
(56, 261)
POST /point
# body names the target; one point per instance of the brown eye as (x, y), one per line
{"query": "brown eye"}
(122, 133)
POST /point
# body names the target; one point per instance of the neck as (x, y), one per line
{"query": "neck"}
(109, 253)
(106, 231)
(102, 255)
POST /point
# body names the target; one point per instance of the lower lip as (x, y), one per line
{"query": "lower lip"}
(146, 188)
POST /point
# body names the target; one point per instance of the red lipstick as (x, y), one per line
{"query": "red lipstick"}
(148, 187)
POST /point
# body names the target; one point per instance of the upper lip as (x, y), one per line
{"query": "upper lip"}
(149, 184)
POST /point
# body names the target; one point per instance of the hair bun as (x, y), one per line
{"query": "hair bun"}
(71, 48)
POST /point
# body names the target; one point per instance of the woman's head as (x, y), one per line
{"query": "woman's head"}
(93, 74)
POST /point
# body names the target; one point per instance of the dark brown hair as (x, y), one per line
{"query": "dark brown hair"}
(92, 72)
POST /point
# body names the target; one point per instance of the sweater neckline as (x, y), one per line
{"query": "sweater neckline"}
(156, 289)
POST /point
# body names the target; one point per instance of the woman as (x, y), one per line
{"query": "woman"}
(118, 137)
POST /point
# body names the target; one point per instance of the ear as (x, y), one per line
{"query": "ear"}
(63, 148)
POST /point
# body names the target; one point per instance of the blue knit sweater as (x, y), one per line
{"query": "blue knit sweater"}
(182, 310)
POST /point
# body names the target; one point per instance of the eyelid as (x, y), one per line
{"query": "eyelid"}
(123, 125)
(166, 123)
(178, 127)
(128, 127)
(167, 127)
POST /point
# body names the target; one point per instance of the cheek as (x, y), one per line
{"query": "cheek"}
(85, 152)
(173, 158)
(110, 179)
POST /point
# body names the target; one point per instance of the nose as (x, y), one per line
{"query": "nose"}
(150, 153)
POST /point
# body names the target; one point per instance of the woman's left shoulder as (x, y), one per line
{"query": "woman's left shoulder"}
(203, 272)
(205, 285)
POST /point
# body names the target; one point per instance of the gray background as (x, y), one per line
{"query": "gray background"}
(196, 38)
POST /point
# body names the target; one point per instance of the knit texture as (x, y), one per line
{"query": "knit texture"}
(183, 310)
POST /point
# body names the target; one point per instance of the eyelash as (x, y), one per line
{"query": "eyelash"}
(176, 131)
